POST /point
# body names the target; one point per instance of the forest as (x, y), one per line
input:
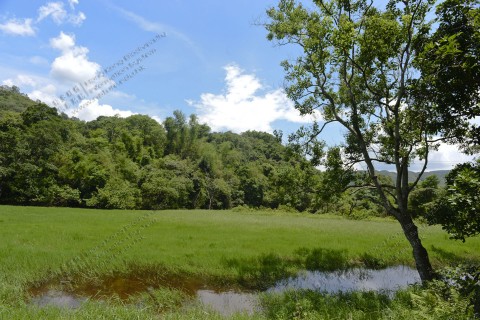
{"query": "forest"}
(49, 159)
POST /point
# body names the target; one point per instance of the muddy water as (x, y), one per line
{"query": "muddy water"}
(222, 299)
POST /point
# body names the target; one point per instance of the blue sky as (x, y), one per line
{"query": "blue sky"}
(205, 57)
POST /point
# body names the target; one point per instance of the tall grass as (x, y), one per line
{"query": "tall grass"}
(233, 249)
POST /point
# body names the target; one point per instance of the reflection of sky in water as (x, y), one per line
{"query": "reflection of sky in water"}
(386, 280)
(58, 299)
(228, 303)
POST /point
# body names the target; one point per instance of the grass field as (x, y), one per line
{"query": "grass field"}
(224, 249)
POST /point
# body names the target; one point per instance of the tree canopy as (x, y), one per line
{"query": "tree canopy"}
(374, 72)
(47, 158)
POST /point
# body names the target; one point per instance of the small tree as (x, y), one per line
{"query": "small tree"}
(356, 68)
(459, 209)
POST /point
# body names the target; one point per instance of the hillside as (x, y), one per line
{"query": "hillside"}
(412, 176)
(11, 99)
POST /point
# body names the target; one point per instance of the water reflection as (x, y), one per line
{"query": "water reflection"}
(57, 298)
(386, 280)
(228, 303)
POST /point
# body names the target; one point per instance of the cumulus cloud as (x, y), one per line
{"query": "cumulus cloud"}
(446, 157)
(18, 27)
(46, 94)
(63, 42)
(90, 110)
(73, 65)
(243, 107)
(20, 81)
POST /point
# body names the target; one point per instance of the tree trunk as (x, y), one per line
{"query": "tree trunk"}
(420, 254)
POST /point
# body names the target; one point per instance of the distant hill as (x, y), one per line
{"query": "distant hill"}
(413, 175)
(11, 99)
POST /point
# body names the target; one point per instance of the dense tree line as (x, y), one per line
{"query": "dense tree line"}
(50, 159)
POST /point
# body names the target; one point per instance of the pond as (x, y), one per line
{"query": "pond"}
(227, 301)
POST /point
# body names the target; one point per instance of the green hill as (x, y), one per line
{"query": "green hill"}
(11, 99)
(412, 176)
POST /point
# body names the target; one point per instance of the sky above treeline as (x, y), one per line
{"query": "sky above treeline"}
(107, 57)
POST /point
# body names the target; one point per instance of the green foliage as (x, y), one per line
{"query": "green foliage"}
(357, 66)
(136, 162)
(116, 194)
(448, 61)
(320, 259)
(11, 99)
(439, 300)
(314, 305)
(459, 209)
(423, 200)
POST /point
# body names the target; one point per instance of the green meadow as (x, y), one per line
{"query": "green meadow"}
(82, 249)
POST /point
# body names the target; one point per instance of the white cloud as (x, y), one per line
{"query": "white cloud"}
(20, 81)
(63, 42)
(242, 108)
(25, 80)
(8, 82)
(53, 9)
(18, 27)
(73, 65)
(72, 3)
(59, 15)
(89, 110)
(157, 118)
(77, 19)
(46, 94)
(445, 158)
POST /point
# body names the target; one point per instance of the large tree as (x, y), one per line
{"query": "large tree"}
(449, 62)
(356, 68)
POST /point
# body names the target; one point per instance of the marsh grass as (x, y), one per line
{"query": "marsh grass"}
(62, 247)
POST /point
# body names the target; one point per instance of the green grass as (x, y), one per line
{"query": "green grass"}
(239, 249)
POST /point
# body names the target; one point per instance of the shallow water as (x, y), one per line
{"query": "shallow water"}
(386, 280)
(58, 299)
(230, 302)
(227, 301)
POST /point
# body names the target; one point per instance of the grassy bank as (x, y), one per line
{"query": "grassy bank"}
(247, 250)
